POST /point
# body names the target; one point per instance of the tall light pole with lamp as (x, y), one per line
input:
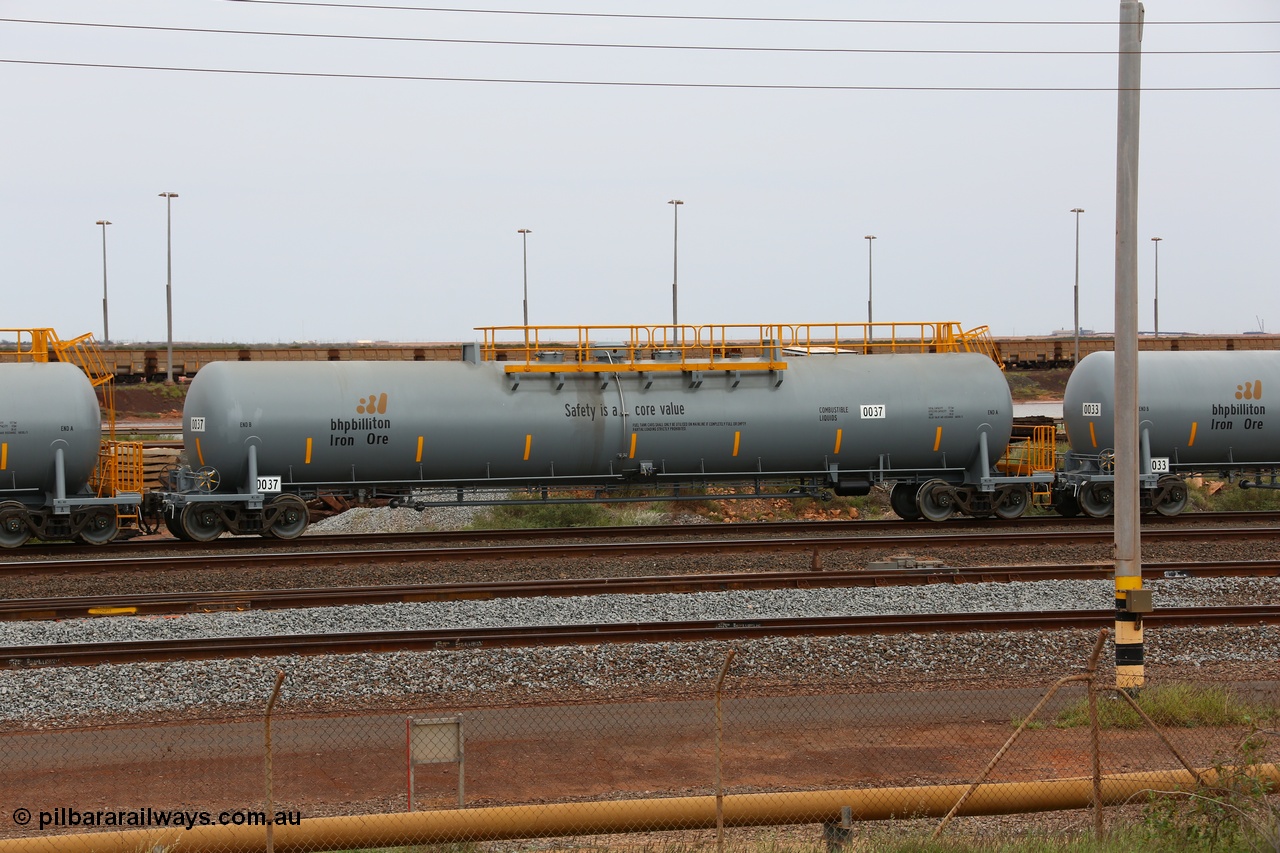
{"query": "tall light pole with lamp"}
(524, 239)
(1156, 242)
(675, 268)
(106, 334)
(168, 287)
(869, 238)
(1075, 359)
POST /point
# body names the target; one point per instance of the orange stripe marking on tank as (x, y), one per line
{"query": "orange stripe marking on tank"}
(937, 439)
(419, 459)
(307, 461)
(839, 438)
(1191, 441)
(4, 455)
(633, 447)
(528, 443)
(737, 439)
(1093, 437)
(199, 452)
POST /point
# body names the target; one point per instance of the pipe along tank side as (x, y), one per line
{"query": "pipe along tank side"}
(260, 436)
(1197, 411)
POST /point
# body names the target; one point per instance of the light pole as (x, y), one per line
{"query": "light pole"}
(1156, 241)
(524, 238)
(168, 287)
(869, 238)
(675, 268)
(1075, 359)
(106, 334)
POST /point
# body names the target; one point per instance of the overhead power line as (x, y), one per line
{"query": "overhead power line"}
(632, 83)
(385, 7)
(697, 47)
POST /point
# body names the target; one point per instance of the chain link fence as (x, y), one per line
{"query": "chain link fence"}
(821, 765)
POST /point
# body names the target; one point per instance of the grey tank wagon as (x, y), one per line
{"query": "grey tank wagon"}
(262, 438)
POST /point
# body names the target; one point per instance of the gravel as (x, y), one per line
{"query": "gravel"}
(32, 698)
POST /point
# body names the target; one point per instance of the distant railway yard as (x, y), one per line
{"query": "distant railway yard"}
(149, 361)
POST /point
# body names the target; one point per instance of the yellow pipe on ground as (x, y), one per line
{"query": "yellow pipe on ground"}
(599, 818)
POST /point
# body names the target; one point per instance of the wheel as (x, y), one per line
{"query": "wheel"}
(1097, 499)
(174, 525)
(1012, 501)
(288, 514)
(1170, 496)
(903, 501)
(1065, 504)
(936, 500)
(1107, 461)
(207, 479)
(202, 522)
(100, 526)
(13, 524)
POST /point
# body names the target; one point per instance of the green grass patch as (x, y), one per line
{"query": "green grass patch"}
(1170, 705)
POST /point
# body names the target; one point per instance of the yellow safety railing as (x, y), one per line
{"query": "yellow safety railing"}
(119, 469)
(1032, 450)
(978, 339)
(554, 349)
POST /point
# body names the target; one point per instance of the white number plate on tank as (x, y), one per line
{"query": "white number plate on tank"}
(268, 484)
(197, 424)
(1093, 410)
(873, 410)
(1159, 464)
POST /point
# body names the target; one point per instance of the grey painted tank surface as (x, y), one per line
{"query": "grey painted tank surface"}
(44, 406)
(1200, 408)
(459, 422)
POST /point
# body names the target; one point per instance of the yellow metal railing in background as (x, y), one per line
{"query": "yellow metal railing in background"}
(30, 345)
(978, 339)
(119, 466)
(715, 347)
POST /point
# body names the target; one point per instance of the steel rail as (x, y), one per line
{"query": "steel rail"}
(687, 531)
(649, 548)
(463, 639)
(173, 603)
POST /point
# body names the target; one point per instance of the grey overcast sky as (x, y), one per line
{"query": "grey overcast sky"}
(340, 188)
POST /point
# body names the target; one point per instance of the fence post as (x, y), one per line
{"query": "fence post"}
(719, 758)
(1095, 736)
(271, 704)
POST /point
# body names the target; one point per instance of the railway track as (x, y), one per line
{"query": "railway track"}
(165, 604)
(454, 639)
(817, 545)
(777, 529)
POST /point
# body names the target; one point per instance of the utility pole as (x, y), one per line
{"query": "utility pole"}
(106, 333)
(168, 287)
(1130, 664)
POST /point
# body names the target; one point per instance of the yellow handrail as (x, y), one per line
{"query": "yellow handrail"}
(715, 347)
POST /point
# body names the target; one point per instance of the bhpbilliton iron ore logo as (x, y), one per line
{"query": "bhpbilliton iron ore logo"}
(1247, 391)
(376, 404)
